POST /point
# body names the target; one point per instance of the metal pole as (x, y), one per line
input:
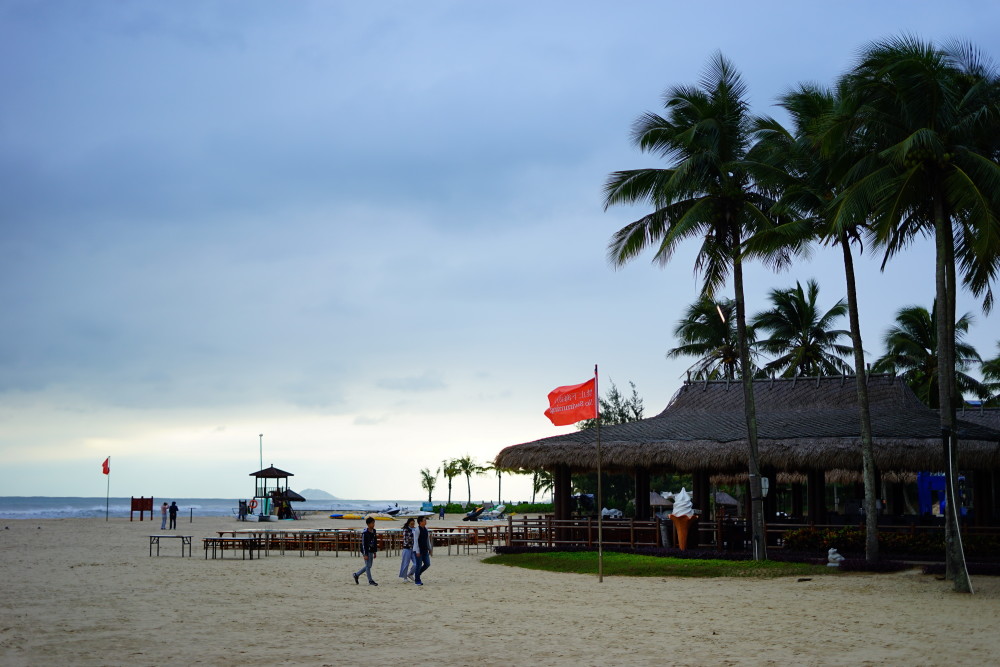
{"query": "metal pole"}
(952, 501)
(600, 493)
(261, 451)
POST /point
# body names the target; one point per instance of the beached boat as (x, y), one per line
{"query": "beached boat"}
(375, 515)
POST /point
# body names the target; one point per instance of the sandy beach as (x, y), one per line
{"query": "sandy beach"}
(86, 592)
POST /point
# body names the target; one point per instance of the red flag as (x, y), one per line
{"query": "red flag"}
(106, 466)
(574, 403)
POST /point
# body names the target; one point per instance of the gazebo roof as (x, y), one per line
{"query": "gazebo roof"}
(271, 473)
(288, 495)
(803, 424)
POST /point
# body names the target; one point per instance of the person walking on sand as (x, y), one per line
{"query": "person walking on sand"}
(173, 515)
(404, 567)
(163, 516)
(421, 550)
(369, 547)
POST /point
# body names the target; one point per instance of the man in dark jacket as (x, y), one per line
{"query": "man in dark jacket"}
(369, 547)
(421, 550)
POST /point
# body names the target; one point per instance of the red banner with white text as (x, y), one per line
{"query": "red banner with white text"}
(573, 403)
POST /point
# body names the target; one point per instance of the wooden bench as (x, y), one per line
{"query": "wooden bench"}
(185, 541)
(221, 544)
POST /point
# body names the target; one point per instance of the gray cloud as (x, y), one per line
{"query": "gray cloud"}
(337, 209)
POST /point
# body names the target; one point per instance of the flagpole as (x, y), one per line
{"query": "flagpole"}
(107, 498)
(600, 493)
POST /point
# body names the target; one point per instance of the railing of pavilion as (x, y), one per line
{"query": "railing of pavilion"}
(550, 532)
(727, 534)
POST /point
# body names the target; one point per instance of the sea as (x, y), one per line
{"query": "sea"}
(46, 507)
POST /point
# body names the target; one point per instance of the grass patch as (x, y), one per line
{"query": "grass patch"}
(631, 565)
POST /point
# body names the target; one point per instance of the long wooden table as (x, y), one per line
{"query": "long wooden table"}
(185, 540)
(244, 543)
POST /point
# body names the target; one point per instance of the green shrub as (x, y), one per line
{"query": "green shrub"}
(852, 540)
(531, 508)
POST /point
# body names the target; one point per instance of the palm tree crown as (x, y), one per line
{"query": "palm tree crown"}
(991, 377)
(708, 332)
(929, 117)
(801, 334)
(911, 351)
(709, 193)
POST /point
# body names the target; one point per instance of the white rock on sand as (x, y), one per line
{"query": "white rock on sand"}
(86, 592)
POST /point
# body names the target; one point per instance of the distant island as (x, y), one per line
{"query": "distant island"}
(317, 494)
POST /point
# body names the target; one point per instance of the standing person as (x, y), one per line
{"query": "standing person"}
(407, 550)
(369, 547)
(173, 515)
(421, 550)
(441, 515)
(163, 516)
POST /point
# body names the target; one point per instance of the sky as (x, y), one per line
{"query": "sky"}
(371, 232)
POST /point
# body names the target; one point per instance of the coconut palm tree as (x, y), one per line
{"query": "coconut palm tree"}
(801, 335)
(911, 351)
(709, 193)
(468, 467)
(991, 378)
(428, 480)
(450, 470)
(930, 117)
(708, 332)
(805, 169)
(541, 481)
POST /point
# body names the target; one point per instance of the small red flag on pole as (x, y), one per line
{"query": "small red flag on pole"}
(573, 403)
(106, 469)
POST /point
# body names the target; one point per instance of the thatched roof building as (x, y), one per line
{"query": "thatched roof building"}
(804, 424)
(983, 416)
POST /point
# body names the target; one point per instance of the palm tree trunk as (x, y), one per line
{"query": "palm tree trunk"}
(861, 376)
(947, 393)
(749, 408)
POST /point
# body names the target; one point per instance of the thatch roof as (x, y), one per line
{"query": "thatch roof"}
(803, 424)
(983, 416)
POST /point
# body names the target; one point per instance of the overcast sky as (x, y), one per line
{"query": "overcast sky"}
(372, 232)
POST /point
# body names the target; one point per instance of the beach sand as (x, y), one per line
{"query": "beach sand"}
(86, 592)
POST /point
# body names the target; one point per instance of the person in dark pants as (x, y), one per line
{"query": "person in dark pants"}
(173, 515)
(421, 550)
(369, 547)
(404, 566)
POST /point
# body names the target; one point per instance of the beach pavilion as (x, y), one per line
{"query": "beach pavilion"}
(271, 483)
(808, 433)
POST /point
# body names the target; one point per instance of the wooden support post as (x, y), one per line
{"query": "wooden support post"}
(982, 497)
(642, 507)
(817, 497)
(701, 496)
(797, 492)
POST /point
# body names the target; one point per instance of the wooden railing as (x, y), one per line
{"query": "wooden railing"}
(547, 531)
(723, 535)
